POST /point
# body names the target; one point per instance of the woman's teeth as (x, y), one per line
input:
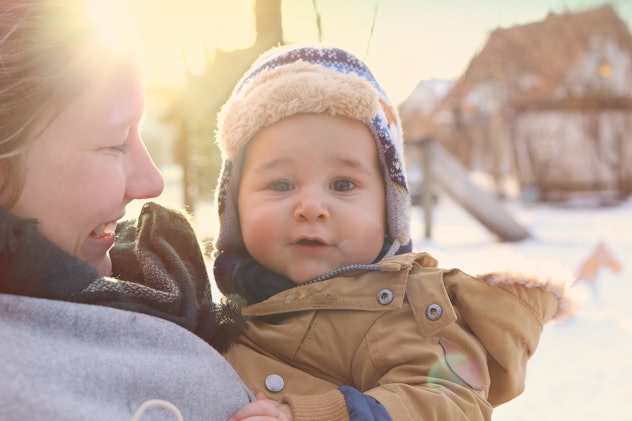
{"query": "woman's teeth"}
(103, 230)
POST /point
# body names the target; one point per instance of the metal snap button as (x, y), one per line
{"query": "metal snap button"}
(433, 312)
(275, 383)
(385, 296)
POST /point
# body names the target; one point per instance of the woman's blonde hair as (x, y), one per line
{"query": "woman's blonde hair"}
(46, 48)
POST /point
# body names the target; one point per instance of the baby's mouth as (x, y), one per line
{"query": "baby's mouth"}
(103, 230)
(310, 242)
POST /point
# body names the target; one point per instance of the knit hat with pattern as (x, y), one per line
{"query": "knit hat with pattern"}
(309, 79)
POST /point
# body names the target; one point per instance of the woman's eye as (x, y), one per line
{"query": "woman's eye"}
(280, 186)
(342, 185)
(123, 148)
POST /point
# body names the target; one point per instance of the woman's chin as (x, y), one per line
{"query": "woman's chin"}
(103, 266)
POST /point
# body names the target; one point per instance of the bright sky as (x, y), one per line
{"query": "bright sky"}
(412, 40)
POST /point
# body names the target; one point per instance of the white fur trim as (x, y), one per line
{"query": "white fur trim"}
(298, 87)
(549, 276)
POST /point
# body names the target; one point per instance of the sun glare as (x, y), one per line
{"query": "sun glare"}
(403, 41)
(170, 38)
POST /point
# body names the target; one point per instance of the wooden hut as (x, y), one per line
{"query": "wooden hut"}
(549, 103)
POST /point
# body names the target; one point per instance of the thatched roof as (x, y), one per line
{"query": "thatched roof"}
(529, 63)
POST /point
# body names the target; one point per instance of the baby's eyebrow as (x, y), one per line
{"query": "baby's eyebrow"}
(353, 164)
(284, 162)
(272, 165)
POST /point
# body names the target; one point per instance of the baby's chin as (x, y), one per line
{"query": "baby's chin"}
(308, 275)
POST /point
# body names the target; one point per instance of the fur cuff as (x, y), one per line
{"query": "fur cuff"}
(549, 276)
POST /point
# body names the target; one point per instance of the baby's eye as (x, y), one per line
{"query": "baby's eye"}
(280, 186)
(342, 185)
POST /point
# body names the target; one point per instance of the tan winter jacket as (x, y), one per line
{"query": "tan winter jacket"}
(427, 343)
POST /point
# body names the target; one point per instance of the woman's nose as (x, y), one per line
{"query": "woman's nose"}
(144, 180)
(311, 207)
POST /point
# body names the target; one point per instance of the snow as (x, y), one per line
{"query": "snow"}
(582, 366)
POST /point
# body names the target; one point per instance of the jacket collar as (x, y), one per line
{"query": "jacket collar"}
(334, 292)
(346, 288)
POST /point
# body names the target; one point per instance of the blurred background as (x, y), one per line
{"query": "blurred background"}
(517, 120)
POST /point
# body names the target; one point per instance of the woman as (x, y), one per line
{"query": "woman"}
(71, 159)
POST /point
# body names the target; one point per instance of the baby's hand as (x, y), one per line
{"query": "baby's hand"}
(264, 409)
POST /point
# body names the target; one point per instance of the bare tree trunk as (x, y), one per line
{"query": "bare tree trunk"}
(268, 22)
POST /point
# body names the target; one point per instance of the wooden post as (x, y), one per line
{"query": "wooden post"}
(184, 149)
(426, 186)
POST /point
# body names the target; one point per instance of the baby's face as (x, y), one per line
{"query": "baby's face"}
(312, 196)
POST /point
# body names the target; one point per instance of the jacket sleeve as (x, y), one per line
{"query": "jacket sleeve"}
(463, 351)
(507, 312)
(440, 377)
(343, 404)
(420, 362)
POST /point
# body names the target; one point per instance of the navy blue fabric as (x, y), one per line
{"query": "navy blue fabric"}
(239, 273)
(362, 407)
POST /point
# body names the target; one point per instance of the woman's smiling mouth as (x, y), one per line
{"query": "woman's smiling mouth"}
(104, 230)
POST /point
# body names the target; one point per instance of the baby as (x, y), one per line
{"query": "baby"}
(345, 321)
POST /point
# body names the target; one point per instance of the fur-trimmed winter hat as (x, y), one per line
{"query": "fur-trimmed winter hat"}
(309, 79)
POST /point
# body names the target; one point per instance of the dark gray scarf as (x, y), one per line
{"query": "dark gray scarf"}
(158, 269)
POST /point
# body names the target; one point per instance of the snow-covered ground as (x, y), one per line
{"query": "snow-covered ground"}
(582, 368)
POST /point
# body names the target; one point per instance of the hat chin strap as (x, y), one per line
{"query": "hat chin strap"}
(393, 249)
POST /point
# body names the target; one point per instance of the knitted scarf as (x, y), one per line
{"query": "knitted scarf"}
(158, 270)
